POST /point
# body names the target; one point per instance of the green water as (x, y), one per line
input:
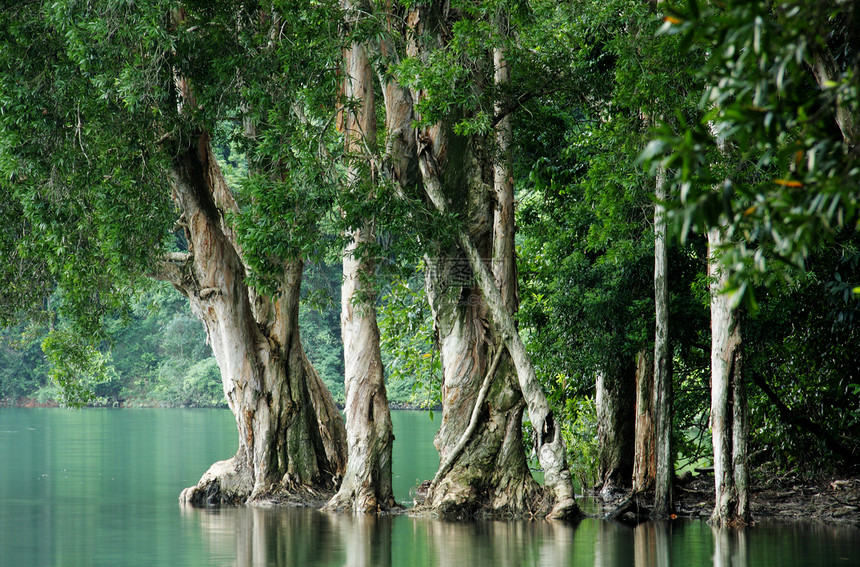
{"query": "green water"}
(99, 488)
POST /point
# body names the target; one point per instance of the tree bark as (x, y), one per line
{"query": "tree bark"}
(291, 437)
(472, 320)
(662, 395)
(367, 483)
(490, 475)
(644, 453)
(826, 69)
(615, 425)
(729, 421)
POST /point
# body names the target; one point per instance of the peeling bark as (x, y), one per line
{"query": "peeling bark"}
(471, 316)
(291, 437)
(483, 467)
(367, 483)
(615, 426)
(729, 421)
(644, 453)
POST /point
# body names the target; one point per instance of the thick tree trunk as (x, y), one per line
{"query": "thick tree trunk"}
(615, 426)
(488, 473)
(485, 472)
(473, 321)
(644, 453)
(662, 395)
(291, 437)
(367, 483)
(729, 422)
(550, 445)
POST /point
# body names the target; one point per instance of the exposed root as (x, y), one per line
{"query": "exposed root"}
(225, 483)
(360, 501)
(229, 483)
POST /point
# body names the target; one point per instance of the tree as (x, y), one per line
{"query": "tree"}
(729, 420)
(777, 140)
(781, 89)
(366, 485)
(115, 103)
(471, 314)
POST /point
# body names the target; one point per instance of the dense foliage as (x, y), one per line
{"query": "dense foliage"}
(749, 106)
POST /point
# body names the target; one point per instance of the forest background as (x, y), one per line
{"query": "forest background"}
(732, 106)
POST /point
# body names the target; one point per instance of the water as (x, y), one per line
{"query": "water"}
(99, 488)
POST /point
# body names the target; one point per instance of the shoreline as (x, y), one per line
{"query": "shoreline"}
(133, 404)
(830, 499)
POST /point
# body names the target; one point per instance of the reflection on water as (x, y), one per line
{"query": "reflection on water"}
(255, 537)
(98, 488)
(730, 547)
(252, 537)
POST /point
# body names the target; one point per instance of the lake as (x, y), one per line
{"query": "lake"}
(99, 487)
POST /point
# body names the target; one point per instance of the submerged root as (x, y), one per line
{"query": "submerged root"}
(229, 483)
(225, 483)
(361, 500)
(451, 500)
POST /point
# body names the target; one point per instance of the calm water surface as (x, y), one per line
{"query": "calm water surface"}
(100, 487)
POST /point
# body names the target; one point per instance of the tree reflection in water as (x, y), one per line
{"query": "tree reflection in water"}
(730, 547)
(257, 537)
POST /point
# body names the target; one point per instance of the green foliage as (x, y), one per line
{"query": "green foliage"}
(85, 180)
(319, 320)
(412, 362)
(198, 386)
(22, 363)
(76, 366)
(766, 157)
(801, 345)
(579, 430)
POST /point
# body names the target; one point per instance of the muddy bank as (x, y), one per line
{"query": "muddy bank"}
(826, 499)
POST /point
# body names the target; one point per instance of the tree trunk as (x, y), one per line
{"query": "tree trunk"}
(550, 445)
(473, 322)
(487, 472)
(291, 437)
(729, 422)
(644, 453)
(615, 426)
(662, 395)
(489, 475)
(367, 483)
(826, 69)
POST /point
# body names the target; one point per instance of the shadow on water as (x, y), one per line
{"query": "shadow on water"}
(250, 537)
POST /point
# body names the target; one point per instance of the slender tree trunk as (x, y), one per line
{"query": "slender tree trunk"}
(663, 398)
(504, 251)
(615, 426)
(644, 454)
(367, 483)
(291, 437)
(729, 422)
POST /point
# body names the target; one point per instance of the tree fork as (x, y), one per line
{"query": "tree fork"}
(291, 438)
(550, 444)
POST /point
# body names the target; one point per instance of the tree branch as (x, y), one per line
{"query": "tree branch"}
(791, 418)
